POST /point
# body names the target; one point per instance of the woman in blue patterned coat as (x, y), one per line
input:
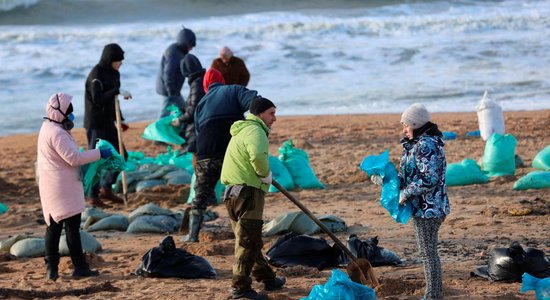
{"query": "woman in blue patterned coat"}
(422, 175)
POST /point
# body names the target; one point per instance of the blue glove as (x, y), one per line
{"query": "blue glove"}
(105, 153)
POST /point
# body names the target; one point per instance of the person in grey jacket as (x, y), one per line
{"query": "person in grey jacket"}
(170, 79)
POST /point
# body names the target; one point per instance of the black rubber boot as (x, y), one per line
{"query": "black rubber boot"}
(249, 294)
(81, 267)
(52, 263)
(195, 222)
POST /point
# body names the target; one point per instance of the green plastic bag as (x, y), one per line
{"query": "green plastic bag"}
(163, 131)
(280, 174)
(499, 157)
(542, 159)
(464, 173)
(533, 180)
(220, 187)
(297, 162)
(92, 172)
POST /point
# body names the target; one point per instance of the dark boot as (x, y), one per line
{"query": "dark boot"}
(81, 267)
(95, 201)
(107, 193)
(195, 223)
(52, 263)
(275, 284)
(249, 294)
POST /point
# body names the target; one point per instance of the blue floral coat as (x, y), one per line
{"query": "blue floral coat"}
(422, 176)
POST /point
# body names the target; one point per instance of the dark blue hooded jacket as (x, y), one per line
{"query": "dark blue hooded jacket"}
(169, 79)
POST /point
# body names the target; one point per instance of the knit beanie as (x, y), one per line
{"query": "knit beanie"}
(415, 116)
(259, 105)
(211, 76)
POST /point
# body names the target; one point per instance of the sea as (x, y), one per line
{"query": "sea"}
(310, 57)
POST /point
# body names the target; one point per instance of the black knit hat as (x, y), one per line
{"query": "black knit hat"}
(260, 104)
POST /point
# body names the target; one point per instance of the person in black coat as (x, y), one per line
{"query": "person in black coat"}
(102, 85)
(191, 69)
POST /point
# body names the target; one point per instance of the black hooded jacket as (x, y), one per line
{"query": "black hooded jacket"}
(192, 69)
(102, 85)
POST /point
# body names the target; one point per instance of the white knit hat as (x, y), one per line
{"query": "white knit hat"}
(415, 116)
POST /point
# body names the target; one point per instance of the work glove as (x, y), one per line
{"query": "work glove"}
(376, 179)
(124, 126)
(176, 122)
(402, 198)
(105, 153)
(268, 179)
(125, 94)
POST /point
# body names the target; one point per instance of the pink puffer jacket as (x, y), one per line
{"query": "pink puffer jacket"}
(59, 161)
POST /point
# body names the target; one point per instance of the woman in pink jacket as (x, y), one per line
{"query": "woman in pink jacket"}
(60, 184)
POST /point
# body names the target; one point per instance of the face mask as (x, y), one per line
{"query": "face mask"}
(67, 123)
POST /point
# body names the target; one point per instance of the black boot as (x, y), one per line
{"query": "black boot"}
(195, 223)
(81, 267)
(52, 263)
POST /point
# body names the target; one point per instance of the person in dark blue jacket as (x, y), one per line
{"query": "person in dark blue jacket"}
(170, 79)
(216, 112)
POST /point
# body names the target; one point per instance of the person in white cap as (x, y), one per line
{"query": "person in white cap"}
(422, 176)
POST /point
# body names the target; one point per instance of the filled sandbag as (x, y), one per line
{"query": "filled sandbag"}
(148, 184)
(89, 243)
(154, 224)
(149, 209)
(298, 222)
(542, 159)
(499, 155)
(114, 222)
(29, 247)
(280, 174)
(490, 117)
(533, 180)
(178, 177)
(297, 162)
(389, 197)
(168, 261)
(464, 173)
(6, 244)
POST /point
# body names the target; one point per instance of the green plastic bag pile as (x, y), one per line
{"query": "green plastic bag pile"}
(542, 159)
(163, 131)
(280, 173)
(499, 155)
(297, 162)
(92, 172)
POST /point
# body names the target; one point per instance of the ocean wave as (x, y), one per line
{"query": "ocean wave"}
(7, 5)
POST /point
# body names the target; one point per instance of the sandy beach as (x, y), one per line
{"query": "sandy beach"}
(336, 144)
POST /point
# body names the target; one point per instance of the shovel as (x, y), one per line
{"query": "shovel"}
(359, 270)
(121, 148)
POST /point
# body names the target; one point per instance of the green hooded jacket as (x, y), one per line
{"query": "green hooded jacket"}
(247, 155)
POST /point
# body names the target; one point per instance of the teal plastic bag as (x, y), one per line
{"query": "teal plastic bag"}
(297, 162)
(499, 156)
(280, 174)
(220, 187)
(542, 159)
(389, 197)
(92, 172)
(163, 131)
(340, 287)
(464, 173)
(3, 208)
(533, 181)
(540, 286)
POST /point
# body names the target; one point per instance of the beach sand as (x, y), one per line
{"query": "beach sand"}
(479, 220)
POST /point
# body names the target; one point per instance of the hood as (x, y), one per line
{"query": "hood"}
(251, 120)
(63, 104)
(186, 39)
(190, 65)
(111, 53)
(212, 76)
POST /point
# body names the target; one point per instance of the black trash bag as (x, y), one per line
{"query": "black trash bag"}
(303, 250)
(168, 261)
(369, 249)
(509, 264)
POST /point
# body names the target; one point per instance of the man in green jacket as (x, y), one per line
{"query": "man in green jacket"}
(246, 174)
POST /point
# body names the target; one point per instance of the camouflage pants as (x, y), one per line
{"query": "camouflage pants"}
(208, 173)
(245, 209)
